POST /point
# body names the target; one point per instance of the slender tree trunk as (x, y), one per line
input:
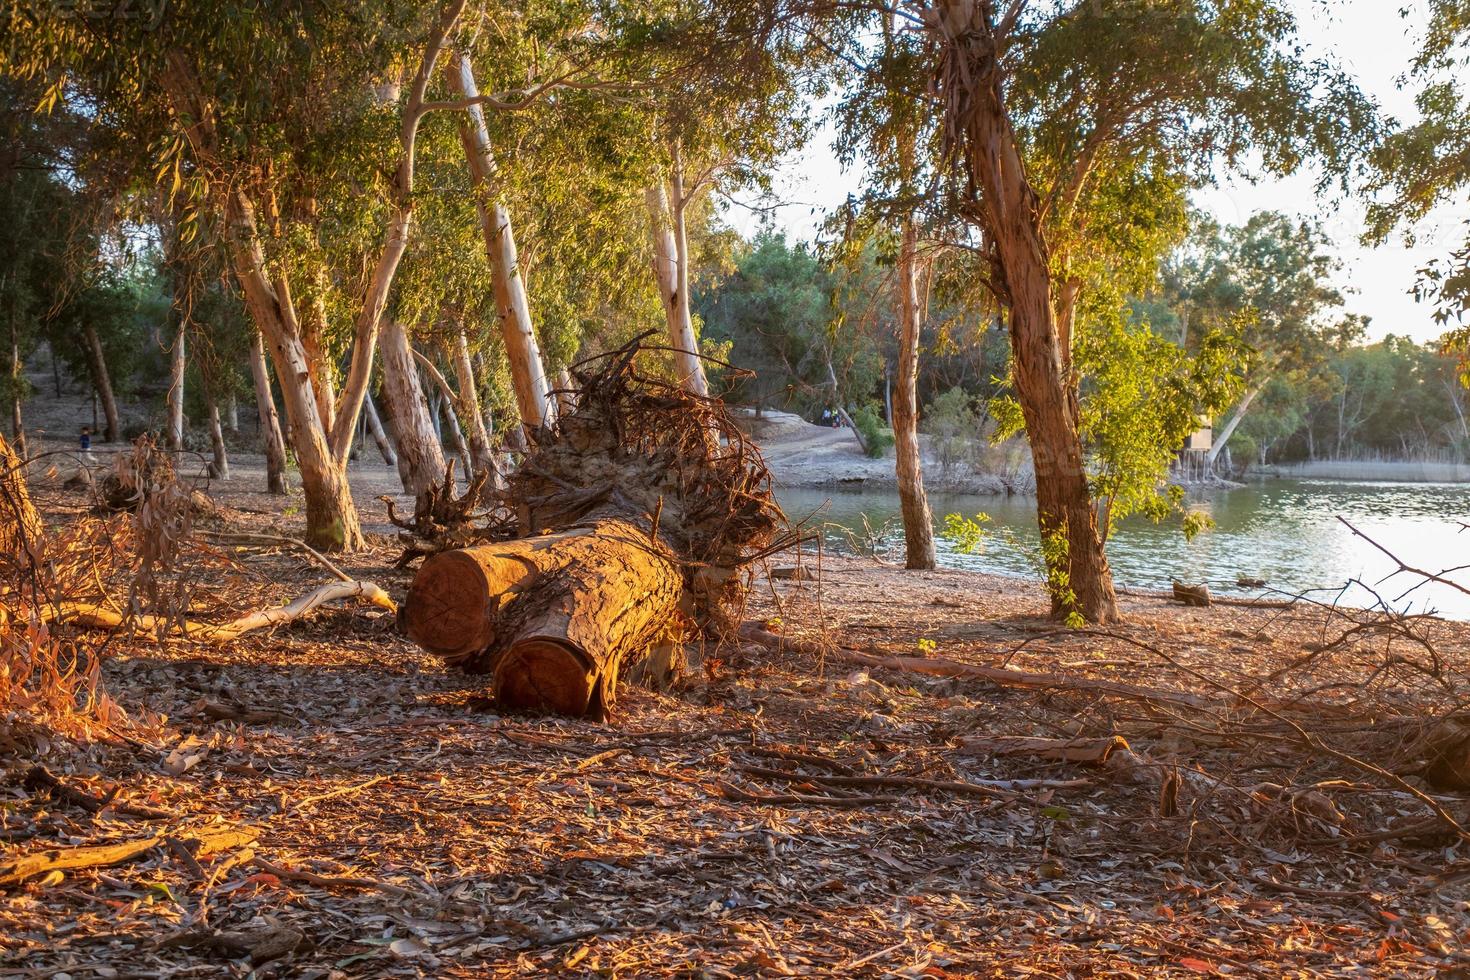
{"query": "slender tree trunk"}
(918, 522)
(102, 384)
(375, 429)
(457, 442)
(481, 448)
(1079, 578)
(17, 378)
(219, 463)
(232, 414)
(1218, 444)
(666, 221)
(331, 514)
(270, 422)
(420, 457)
(528, 373)
(20, 524)
(177, 365)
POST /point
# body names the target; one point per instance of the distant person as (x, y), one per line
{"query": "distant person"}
(86, 443)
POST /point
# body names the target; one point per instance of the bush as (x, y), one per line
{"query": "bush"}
(876, 436)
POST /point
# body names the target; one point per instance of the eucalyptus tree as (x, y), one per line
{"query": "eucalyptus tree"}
(886, 121)
(1268, 282)
(1426, 164)
(1066, 125)
(284, 121)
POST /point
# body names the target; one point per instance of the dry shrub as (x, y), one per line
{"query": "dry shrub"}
(51, 681)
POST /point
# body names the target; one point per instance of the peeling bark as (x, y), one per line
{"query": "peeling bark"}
(918, 521)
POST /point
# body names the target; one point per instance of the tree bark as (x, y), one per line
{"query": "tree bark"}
(20, 524)
(670, 266)
(583, 603)
(395, 243)
(331, 514)
(1217, 445)
(375, 429)
(270, 422)
(1008, 211)
(17, 377)
(219, 462)
(102, 384)
(918, 522)
(420, 457)
(177, 365)
(528, 373)
(481, 447)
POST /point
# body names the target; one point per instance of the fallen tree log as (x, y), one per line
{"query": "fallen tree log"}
(552, 618)
(620, 534)
(1091, 751)
(94, 616)
(201, 843)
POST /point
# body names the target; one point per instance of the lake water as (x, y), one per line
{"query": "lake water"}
(1283, 531)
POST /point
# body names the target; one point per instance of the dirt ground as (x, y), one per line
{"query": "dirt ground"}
(403, 829)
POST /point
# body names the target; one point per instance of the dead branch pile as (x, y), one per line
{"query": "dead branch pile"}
(632, 518)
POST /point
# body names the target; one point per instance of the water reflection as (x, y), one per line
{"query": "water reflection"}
(1283, 531)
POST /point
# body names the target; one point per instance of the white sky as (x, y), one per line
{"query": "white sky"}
(1371, 41)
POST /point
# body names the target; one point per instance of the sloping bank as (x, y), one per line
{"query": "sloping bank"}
(800, 454)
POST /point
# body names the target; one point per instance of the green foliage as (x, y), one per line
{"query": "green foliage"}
(1144, 395)
(965, 534)
(786, 317)
(1427, 163)
(877, 438)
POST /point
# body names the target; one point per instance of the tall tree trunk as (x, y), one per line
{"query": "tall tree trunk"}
(232, 414)
(102, 383)
(420, 457)
(395, 243)
(918, 522)
(1218, 444)
(331, 514)
(481, 448)
(270, 422)
(219, 462)
(20, 524)
(670, 266)
(1009, 211)
(527, 371)
(177, 365)
(375, 429)
(17, 380)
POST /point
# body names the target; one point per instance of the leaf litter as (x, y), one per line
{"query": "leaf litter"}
(786, 812)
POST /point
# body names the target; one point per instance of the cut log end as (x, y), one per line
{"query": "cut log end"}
(539, 674)
(450, 606)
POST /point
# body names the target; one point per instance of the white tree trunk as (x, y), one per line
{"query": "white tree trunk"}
(420, 457)
(331, 514)
(375, 429)
(395, 243)
(177, 365)
(1218, 444)
(918, 522)
(671, 266)
(481, 448)
(219, 462)
(270, 422)
(528, 373)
